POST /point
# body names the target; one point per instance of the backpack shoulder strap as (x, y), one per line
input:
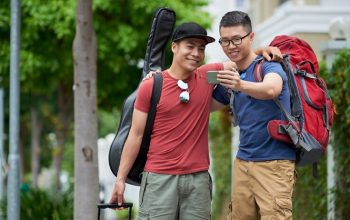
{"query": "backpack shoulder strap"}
(232, 108)
(259, 76)
(156, 92)
(258, 71)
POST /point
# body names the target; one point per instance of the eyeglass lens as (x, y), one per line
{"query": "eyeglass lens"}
(235, 41)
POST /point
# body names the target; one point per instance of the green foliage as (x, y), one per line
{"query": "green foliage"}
(338, 81)
(46, 62)
(122, 39)
(310, 194)
(46, 37)
(47, 34)
(45, 205)
(68, 155)
(124, 214)
(107, 122)
(220, 149)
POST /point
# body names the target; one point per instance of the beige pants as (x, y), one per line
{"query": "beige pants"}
(262, 190)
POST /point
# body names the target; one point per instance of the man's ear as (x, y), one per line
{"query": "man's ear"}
(174, 46)
(251, 36)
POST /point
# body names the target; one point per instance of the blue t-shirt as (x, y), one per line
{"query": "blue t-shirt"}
(253, 115)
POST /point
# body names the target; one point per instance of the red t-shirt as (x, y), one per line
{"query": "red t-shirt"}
(179, 141)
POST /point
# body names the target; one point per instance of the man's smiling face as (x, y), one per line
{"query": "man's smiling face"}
(189, 53)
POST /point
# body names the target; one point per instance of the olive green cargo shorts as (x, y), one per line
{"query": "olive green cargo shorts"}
(171, 197)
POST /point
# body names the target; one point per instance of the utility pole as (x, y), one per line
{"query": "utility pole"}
(13, 203)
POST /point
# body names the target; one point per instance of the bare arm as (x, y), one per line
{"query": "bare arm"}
(229, 65)
(269, 88)
(215, 105)
(130, 152)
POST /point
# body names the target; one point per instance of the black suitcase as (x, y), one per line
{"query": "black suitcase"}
(113, 206)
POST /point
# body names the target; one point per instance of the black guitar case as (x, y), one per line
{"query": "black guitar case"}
(160, 33)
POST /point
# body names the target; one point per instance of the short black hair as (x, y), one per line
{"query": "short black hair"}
(236, 18)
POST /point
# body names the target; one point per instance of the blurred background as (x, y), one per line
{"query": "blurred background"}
(48, 165)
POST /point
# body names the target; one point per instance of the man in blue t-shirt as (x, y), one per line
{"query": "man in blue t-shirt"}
(263, 173)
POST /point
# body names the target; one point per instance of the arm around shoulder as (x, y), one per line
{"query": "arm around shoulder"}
(270, 53)
(215, 105)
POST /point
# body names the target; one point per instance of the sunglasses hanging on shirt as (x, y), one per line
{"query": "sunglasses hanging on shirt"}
(184, 95)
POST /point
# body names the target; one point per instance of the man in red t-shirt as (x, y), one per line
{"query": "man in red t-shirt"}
(175, 182)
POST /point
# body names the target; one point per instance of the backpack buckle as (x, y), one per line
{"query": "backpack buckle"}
(302, 73)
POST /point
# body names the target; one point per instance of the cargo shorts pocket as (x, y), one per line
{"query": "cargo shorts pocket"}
(286, 168)
(283, 206)
(142, 215)
(143, 187)
(210, 182)
(229, 213)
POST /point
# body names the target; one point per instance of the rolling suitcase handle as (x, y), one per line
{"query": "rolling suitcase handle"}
(112, 206)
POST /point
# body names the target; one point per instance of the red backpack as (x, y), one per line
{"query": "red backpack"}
(312, 109)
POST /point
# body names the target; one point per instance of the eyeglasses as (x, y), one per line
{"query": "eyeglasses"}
(184, 95)
(235, 41)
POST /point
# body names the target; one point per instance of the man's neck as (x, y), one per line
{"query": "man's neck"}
(243, 64)
(179, 73)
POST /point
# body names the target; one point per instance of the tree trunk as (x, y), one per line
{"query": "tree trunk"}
(35, 146)
(86, 185)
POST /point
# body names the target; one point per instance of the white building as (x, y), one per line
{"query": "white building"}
(308, 19)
